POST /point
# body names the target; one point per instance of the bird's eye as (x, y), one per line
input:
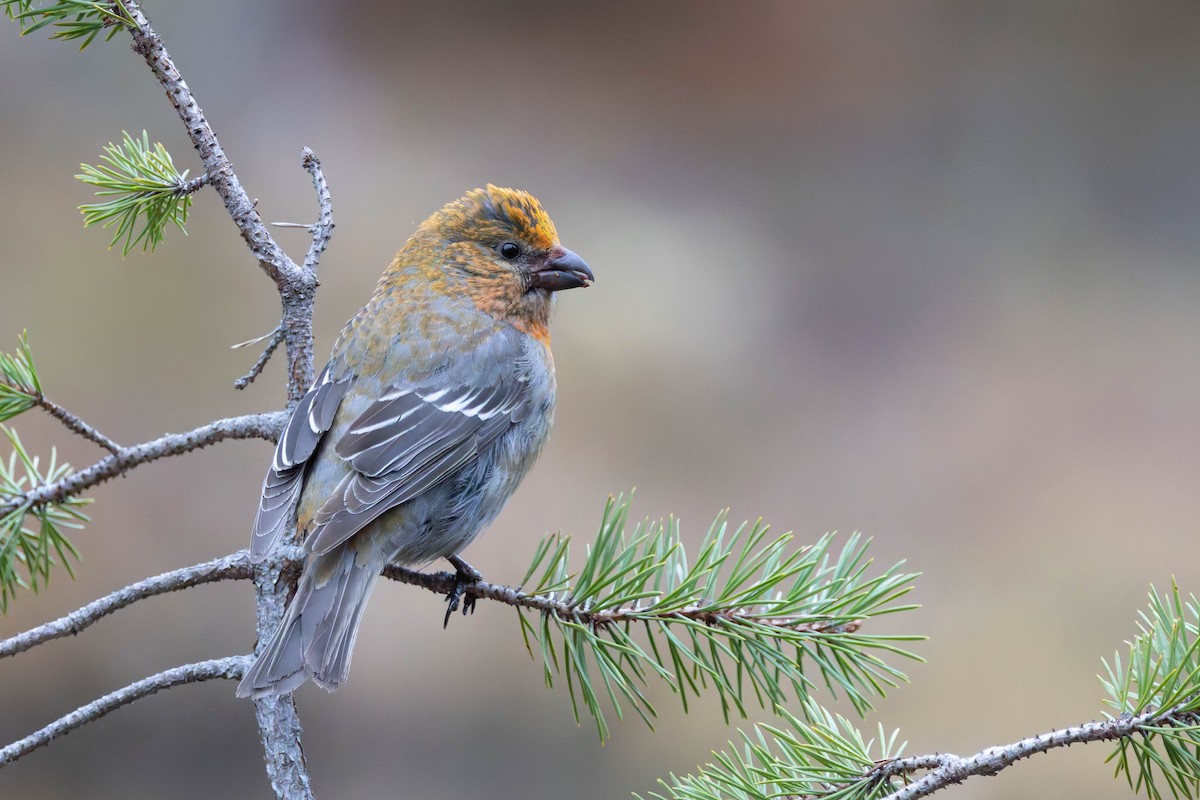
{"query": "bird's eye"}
(510, 250)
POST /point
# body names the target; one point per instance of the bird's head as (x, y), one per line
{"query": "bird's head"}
(501, 248)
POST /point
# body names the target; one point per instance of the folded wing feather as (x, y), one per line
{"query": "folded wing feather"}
(281, 487)
(408, 441)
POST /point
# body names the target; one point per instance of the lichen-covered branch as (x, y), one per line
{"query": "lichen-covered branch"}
(279, 728)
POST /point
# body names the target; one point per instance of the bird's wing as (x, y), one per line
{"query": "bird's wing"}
(281, 487)
(410, 439)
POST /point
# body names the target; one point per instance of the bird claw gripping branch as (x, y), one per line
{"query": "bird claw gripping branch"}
(464, 576)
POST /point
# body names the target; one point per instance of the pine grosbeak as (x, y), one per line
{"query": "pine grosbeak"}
(436, 400)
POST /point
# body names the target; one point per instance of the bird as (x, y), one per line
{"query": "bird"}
(437, 399)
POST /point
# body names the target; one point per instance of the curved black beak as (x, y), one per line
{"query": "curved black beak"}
(563, 270)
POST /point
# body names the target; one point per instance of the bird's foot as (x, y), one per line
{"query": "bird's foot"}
(464, 576)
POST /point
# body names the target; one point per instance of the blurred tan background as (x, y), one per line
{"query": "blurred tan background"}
(925, 270)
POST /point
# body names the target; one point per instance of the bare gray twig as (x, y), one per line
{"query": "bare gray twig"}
(192, 185)
(230, 668)
(248, 378)
(232, 567)
(323, 229)
(252, 426)
(77, 425)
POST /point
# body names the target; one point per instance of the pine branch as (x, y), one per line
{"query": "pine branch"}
(224, 668)
(821, 756)
(827, 758)
(952, 770)
(147, 193)
(443, 582)
(278, 725)
(1157, 730)
(21, 390)
(70, 19)
(27, 554)
(751, 619)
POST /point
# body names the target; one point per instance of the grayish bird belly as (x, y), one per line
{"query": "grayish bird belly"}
(446, 518)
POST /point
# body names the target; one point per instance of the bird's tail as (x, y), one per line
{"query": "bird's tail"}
(318, 630)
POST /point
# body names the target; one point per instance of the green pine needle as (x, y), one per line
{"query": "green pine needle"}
(1161, 673)
(71, 19)
(146, 190)
(752, 618)
(822, 756)
(31, 537)
(19, 385)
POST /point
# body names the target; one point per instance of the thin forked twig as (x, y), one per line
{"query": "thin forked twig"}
(297, 286)
(321, 231)
(276, 339)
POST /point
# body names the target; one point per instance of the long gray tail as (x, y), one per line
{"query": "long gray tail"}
(319, 628)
